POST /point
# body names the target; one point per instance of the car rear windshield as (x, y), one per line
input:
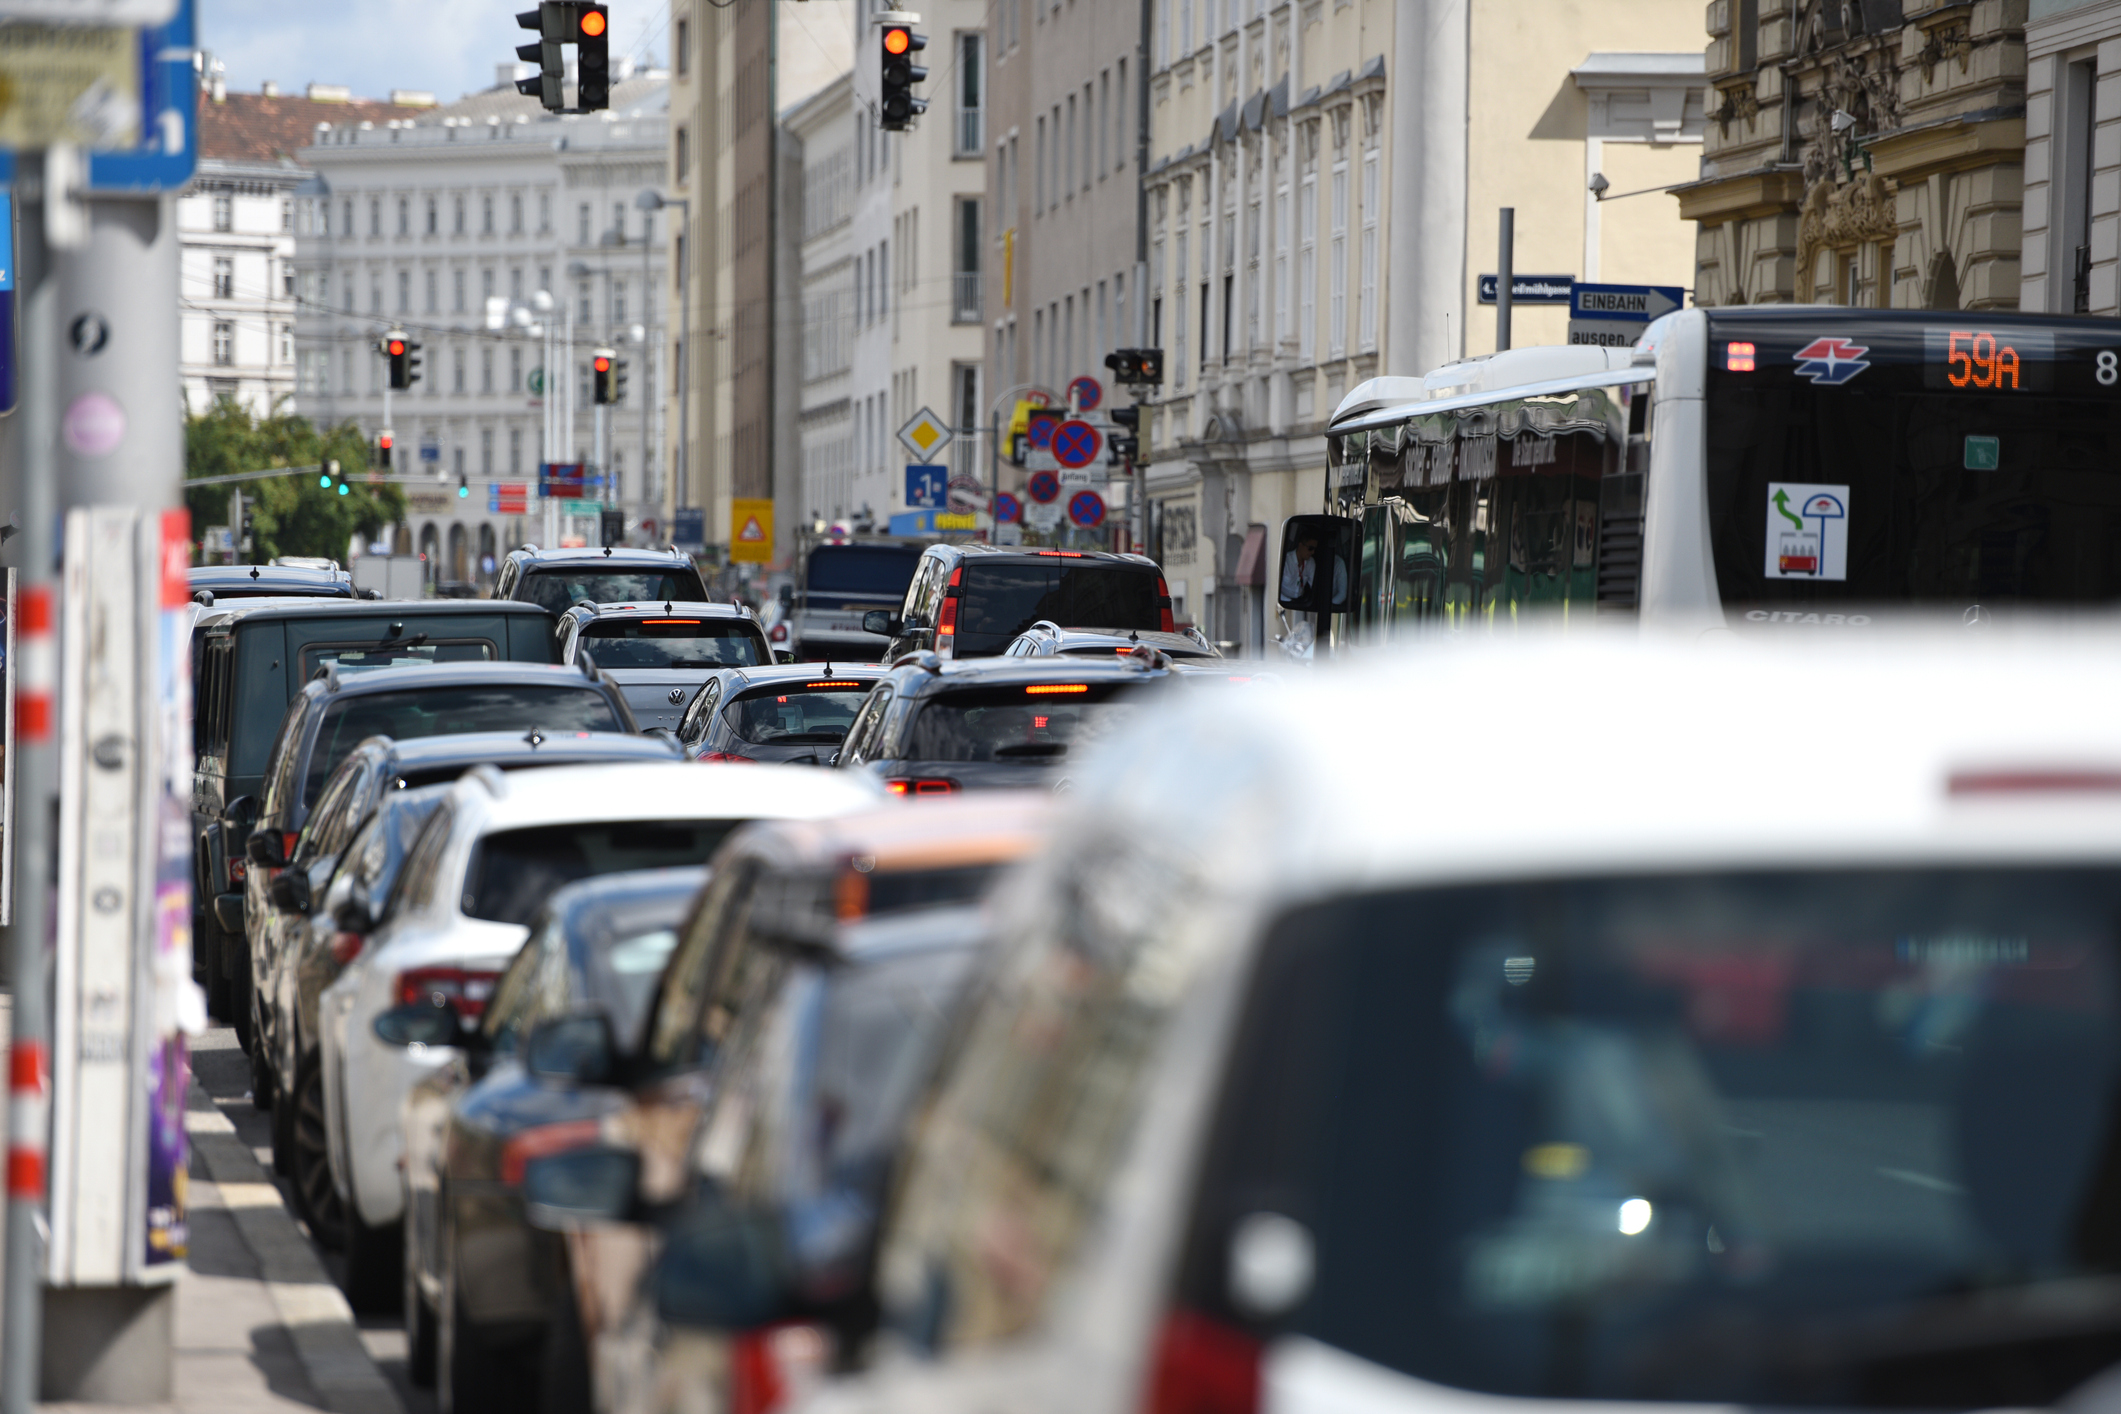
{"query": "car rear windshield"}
(879, 572)
(513, 872)
(674, 643)
(1028, 724)
(1833, 1138)
(451, 711)
(999, 601)
(359, 657)
(797, 713)
(560, 589)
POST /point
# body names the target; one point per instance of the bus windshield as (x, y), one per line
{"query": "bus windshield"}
(1944, 460)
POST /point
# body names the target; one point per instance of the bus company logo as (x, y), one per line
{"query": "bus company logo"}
(1831, 361)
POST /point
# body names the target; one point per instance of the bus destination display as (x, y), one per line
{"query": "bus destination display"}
(1969, 359)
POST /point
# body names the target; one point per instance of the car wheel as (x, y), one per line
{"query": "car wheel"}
(419, 1323)
(316, 1199)
(373, 1255)
(564, 1384)
(283, 1139)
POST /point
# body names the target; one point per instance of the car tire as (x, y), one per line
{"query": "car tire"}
(373, 1255)
(283, 1138)
(564, 1385)
(419, 1325)
(316, 1198)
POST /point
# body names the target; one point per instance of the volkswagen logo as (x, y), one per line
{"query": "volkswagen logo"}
(676, 693)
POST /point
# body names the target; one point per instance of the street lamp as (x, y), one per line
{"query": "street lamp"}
(650, 199)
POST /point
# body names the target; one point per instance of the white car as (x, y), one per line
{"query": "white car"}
(1625, 1023)
(493, 851)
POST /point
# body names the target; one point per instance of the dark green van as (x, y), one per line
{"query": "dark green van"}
(248, 662)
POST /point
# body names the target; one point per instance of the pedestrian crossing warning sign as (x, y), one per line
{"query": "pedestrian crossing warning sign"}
(752, 542)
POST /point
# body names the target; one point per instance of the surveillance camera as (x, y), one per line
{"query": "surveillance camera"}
(1842, 120)
(1599, 184)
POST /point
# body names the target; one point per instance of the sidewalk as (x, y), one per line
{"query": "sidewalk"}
(260, 1326)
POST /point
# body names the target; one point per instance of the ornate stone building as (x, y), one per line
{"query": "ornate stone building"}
(1862, 152)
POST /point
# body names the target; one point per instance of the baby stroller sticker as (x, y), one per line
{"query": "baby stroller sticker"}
(1807, 531)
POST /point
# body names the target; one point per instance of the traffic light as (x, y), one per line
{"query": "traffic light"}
(592, 36)
(897, 104)
(602, 381)
(1133, 366)
(552, 21)
(1126, 445)
(384, 441)
(463, 487)
(618, 381)
(404, 357)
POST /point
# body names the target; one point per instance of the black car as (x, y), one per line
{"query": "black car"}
(248, 662)
(291, 972)
(932, 727)
(795, 712)
(969, 600)
(340, 709)
(558, 580)
(219, 584)
(598, 945)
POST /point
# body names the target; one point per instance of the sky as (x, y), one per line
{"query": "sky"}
(450, 47)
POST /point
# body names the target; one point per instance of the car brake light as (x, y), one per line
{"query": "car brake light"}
(345, 947)
(1062, 554)
(957, 577)
(898, 787)
(1041, 689)
(287, 843)
(1166, 620)
(946, 623)
(724, 756)
(1203, 1367)
(540, 1140)
(931, 786)
(464, 989)
(772, 1365)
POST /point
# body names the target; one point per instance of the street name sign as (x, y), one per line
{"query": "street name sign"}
(1529, 289)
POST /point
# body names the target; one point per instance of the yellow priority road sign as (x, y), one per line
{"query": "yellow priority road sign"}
(925, 435)
(751, 537)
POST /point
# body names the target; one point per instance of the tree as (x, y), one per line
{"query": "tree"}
(291, 515)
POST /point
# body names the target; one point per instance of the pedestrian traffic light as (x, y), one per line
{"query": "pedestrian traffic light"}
(404, 357)
(592, 36)
(897, 106)
(553, 21)
(602, 383)
(382, 450)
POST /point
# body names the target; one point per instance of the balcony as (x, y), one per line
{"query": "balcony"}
(965, 297)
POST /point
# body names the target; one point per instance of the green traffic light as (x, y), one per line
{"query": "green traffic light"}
(463, 492)
(325, 482)
(344, 489)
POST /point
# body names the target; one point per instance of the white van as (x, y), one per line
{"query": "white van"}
(1699, 1024)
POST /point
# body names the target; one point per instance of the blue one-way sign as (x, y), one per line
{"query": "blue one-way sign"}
(1636, 303)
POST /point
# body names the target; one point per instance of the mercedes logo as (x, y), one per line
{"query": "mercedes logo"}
(676, 693)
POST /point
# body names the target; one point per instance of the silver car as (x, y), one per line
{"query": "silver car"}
(659, 654)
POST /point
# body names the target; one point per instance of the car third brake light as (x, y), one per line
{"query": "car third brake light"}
(462, 988)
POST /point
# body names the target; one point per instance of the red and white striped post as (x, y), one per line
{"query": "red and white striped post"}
(29, 1066)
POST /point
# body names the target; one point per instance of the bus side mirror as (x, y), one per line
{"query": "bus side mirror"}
(1317, 572)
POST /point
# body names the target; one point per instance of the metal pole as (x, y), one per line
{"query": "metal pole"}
(685, 368)
(603, 448)
(1506, 278)
(33, 772)
(647, 343)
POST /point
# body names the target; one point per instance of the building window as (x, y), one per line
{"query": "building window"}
(375, 295)
(515, 214)
(457, 382)
(515, 284)
(544, 212)
(375, 216)
(684, 155)
(224, 277)
(1337, 248)
(434, 217)
(456, 281)
(346, 217)
(224, 213)
(434, 292)
(287, 214)
(515, 370)
(683, 48)
(581, 224)
(1307, 243)
(515, 451)
(1368, 326)
(404, 217)
(224, 342)
(486, 283)
(404, 292)
(964, 271)
(486, 215)
(585, 313)
(460, 216)
(486, 451)
(287, 278)
(287, 343)
(969, 91)
(486, 370)
(618, 301)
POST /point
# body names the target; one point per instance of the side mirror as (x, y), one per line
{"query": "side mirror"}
(721, 1267)
(290, 892)
(914, 621)
(419, 1023)
(579, 1049)
(784, 655)
(581, 1186)
(264, 848)
(353, 915)
(1317, 564)
(881, 621)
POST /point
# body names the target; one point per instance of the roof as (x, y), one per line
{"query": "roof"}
(281, 609)
(693, 608)
(945, 833)
(1605, 753)
(534, 558)
(262, 581)
(674, 790)
(362, 681)
(1016, 552)
(767, 674)
(975, 672)
(250, 127)
(1120, 639)
(1640, 65)
(525, 748)
(629, 98)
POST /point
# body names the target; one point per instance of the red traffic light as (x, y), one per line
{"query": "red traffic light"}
(897, 40)
(603, 365)
(383, 441)
(594, 24)
(396, 347)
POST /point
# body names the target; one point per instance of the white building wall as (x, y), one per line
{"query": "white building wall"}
(2072, 160)
(824, 127)
(237, 319)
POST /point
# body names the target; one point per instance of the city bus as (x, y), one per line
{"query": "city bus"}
(1758, 468)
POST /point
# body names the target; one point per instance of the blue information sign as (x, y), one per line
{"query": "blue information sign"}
(168, 150)
(1529, 289)
(8, 326)
(927, 486)
(688, 528)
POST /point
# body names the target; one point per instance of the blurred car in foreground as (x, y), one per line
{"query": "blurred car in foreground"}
(492, 853)
(658, 653)
(931, 727)
(471, 1126)
(300, 942)
(793, 712)
(793, 1029)
(1747, 1051)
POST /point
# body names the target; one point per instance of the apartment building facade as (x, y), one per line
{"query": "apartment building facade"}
(420, 223)
(2071, 253)
(820, 136)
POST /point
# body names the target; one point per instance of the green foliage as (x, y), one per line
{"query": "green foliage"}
(291, 515)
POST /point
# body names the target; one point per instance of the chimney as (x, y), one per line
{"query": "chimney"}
(269, 89)
(217, 81)
(328, 93)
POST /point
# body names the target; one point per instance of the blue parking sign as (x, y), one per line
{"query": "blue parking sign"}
(927, 486)
(7, 301)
